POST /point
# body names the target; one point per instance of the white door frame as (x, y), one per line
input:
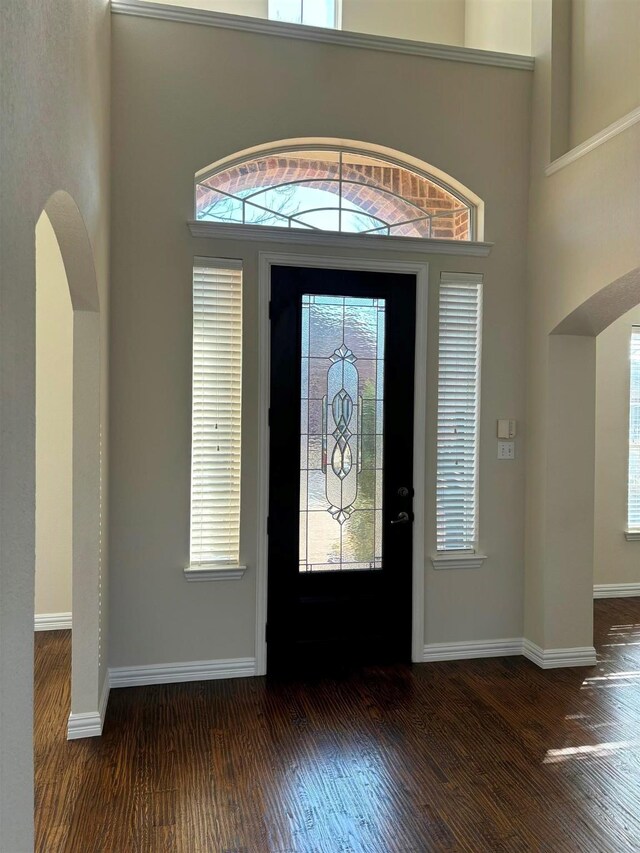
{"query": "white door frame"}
(421, 272)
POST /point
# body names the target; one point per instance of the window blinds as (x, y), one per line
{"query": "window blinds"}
(634, 433)
(460, 323)
(217, 401)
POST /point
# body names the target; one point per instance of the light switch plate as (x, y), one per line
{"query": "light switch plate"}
(507, 429)
(506, 450)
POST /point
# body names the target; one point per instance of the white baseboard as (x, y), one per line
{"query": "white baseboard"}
(172, 673)
(558, 658)
(89, 724)
(52, 622)
(544, 658)
(616, 590)
(471, 650)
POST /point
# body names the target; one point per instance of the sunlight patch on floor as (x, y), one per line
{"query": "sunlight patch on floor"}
(555, 756)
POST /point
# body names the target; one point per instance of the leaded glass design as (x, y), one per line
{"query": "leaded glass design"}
(325, 189)
(341, 435)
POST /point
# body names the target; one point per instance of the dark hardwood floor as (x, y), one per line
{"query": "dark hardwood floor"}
(492, 755)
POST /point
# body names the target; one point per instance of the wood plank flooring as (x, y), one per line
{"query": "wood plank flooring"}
(492, 755)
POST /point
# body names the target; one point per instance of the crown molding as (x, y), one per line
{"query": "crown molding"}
(594, 142)
(336, 240)
(206, 18)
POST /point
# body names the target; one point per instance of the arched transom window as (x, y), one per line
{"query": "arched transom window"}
(330, 189)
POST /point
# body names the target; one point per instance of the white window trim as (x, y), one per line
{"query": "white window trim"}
(337, 240)
(470, 558)
(214, 571)
(458, 560)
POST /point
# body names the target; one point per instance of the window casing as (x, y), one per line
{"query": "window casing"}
(216, 413)
(459, 358)
(633, 507)
(313, 13)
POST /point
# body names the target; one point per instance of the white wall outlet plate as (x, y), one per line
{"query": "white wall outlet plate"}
(506, 450)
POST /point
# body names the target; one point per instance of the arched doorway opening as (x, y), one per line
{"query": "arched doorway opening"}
(70, 532)
(560, 609)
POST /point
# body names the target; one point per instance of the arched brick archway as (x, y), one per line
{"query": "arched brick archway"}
(385, 189)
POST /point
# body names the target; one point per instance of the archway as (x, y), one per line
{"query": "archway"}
(86, 500)
(560, 610)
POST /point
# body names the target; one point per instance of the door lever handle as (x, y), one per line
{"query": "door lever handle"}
(403, 518)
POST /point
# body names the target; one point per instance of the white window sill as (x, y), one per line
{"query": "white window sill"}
(214, 573)
(458, 560)
(632, 535)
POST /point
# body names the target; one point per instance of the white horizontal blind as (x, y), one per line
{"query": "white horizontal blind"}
(460, 324)
(634, 433)
(217, 401)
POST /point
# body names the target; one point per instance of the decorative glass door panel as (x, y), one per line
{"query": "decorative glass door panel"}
(341, 433)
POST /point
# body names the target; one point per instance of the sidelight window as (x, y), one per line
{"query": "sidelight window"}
(460, 323)
(216, 413)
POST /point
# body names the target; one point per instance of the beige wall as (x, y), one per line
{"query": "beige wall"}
(605, 64)
(170, 121)
(55, 88)
(439, 21)
(579, 242)
(54, 365)
(252, 8)
(616, 560)
(502, 25)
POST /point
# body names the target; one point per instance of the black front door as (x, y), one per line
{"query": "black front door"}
(341, 468)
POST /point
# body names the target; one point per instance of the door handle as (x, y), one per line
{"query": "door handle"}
(403, 518)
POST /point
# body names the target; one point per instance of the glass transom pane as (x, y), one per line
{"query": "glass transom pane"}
(333, 190)
(341, 433)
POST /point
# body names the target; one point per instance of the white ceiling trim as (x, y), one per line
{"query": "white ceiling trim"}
(160, 11)
(337, 240)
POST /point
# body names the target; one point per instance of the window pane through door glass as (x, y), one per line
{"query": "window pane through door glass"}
(341, 433)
